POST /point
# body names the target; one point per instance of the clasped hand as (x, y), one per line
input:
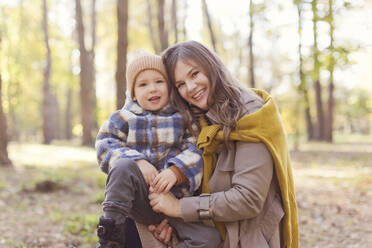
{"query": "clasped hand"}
(164, 181)
(169, 205)
(165, 203)
(160, 182)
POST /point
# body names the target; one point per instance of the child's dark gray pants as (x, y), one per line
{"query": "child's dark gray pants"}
(127, 193)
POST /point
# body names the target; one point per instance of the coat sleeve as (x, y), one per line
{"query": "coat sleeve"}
(111, 142)
(189, 161)
(251, 179)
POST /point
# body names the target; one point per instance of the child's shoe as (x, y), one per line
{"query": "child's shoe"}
(110, 235)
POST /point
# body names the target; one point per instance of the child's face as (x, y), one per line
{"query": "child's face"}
(151, 90)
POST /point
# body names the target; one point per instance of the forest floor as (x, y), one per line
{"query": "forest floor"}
(51, 198)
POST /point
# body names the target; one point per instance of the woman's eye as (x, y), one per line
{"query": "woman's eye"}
(142, 85)
(195, 73)
(160, 81)
(179, 85)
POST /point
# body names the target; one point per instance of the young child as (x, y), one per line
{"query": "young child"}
(144, 144)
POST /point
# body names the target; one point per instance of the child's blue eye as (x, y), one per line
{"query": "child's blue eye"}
(160, 81)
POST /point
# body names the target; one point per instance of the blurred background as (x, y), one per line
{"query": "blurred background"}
(62, 73)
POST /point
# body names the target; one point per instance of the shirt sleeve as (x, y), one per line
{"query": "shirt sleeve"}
(252, 176)
(189, 161)
(111, 143)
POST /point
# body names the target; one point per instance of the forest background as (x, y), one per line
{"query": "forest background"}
(62, 73)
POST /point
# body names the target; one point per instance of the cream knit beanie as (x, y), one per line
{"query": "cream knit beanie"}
(143, 61)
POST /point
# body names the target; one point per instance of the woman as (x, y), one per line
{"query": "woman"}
(248, 191)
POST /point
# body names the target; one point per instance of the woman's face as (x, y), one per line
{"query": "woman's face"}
(192, 83)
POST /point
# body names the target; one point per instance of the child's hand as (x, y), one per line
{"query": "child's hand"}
(164, 181)
(149, 172)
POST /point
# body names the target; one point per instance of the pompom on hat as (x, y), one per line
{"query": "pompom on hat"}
(143, 61)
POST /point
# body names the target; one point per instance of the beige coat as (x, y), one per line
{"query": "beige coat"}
(245, 192)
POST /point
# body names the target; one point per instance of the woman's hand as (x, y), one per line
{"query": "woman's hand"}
(162, 232)
(164, 181)
(149, 171)
(165, 203)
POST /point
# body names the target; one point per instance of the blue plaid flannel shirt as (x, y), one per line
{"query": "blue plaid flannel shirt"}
(158, 137)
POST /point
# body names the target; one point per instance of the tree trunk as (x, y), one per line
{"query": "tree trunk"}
(318, 88)
(13, 127)
(55, 117)
(68, 114)
(303, 85)
(174, 20)
(329, 123)
(122, 15)
(250, 45)
(87, 89)
(240, 54)
(154, 41)
(319, 111)
(4, 158)
(163, 34)
(209, 23)
(329, 120)
(49, 130)
(92, 56)
(184, 31)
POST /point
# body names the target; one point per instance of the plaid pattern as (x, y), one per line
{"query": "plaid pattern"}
(161, 138)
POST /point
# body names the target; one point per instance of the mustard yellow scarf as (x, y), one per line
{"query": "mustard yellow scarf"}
(265, 126)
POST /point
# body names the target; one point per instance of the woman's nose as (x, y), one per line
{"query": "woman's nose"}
(190, 84)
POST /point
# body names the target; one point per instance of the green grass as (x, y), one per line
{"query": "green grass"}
(83, 226)
(74, 203)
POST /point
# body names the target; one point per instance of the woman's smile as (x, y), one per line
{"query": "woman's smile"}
(200, 94)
